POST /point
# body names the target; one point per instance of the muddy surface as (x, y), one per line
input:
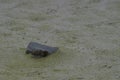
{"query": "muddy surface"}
(86, 31)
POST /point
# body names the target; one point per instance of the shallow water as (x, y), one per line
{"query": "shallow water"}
(87, 33)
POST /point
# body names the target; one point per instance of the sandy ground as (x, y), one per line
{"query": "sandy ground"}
(86, 31)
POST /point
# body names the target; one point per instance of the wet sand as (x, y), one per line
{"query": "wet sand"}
(87, 33)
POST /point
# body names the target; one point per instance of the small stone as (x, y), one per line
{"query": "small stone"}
(37, 49)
